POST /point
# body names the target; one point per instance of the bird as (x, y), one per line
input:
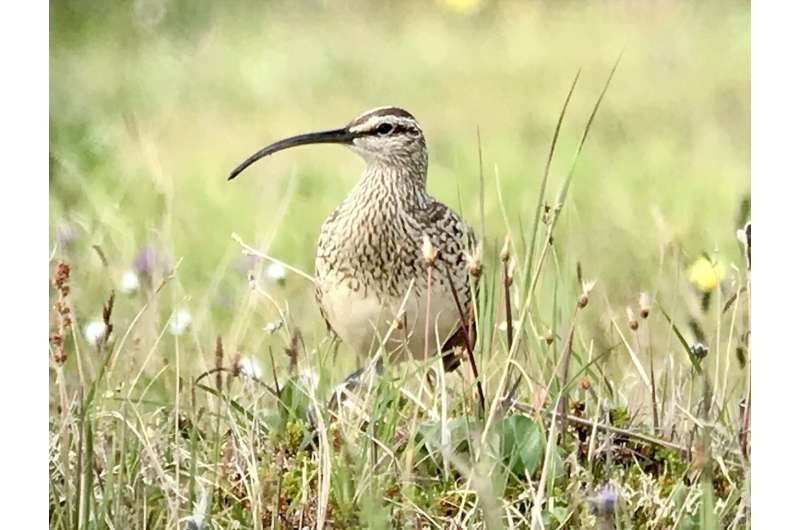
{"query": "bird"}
(370, 273)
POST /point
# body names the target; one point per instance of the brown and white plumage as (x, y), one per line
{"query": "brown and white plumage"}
(369, 251)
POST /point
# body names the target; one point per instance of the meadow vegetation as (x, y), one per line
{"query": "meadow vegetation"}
(190, 371)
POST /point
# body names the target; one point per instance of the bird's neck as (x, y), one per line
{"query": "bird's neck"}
(395, 181)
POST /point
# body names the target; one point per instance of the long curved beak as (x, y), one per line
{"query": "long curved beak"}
(335, 136)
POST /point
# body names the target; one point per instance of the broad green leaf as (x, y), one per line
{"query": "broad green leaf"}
(522, 444)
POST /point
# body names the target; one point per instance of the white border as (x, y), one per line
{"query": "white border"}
(775, 170)
(24, 161)
(776, 265)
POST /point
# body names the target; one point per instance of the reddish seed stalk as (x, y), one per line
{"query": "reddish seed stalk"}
(745, 429)
(467, 342)
(507, 291)
(653, 398)
(565, 358)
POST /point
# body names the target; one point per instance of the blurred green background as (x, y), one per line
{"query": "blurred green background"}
(153, 102)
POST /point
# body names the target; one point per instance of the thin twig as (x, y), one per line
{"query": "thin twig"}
(467, 342)
(527, 409)
(507, 294)
(213, 371)
(565, 357)
(250, 251)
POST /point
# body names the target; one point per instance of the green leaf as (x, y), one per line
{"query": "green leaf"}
(695, 362)
(431, 434)
(293, 401)
(522, 444)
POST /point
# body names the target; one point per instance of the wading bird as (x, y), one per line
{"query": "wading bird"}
(369, 257)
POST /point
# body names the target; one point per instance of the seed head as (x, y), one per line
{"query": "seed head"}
(632, 322)
(218, 357)
(583, 298)
(512, 266)
(56, 339)
(236, 367)
(62, 275)
(644, 305)
(429, 252)
(505, 253)
(59, 356)
(397, 324)
(474, 266)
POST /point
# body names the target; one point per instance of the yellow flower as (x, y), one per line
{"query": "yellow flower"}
(464, 7)
(705, 274)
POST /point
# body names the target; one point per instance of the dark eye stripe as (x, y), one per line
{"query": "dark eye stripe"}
(397, 128)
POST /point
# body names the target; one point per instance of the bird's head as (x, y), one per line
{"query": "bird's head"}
(387, 135)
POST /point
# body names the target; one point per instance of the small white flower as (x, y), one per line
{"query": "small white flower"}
(309, 379)
(197, 520)
(272, 327)
(276, 272)
(250, 368)
(741, 235)
(94, 331)
(129, 283)
(180, 321)
(503, 326)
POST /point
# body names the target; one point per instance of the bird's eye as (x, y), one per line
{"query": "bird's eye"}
(384, 128)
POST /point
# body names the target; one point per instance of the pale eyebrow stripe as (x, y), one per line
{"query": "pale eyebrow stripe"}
(375, 121)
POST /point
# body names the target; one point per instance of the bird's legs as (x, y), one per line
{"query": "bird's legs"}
(352, 382)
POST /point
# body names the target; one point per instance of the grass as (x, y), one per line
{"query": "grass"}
(200, 394)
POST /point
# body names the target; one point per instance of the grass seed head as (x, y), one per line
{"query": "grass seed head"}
(512, 267)
(583, 298)
(62, 275)
(218, 358)
(644, 305)
(505, 252)
(236, 366)
(397, 323)
(429, 252)
(474, 266)
(59, 356)
(632, 322)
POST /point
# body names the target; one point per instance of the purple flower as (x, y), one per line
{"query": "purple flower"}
(244, 264)
(145, 261)
(65, 234)
(604, 501)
